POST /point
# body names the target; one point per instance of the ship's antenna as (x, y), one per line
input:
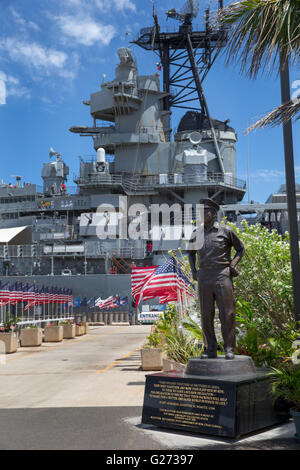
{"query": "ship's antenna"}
(53, 153)
(186, 57)
(189, 11)
(18, 179)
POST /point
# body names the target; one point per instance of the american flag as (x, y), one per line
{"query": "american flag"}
(110, 302)
(31, 295)
(70, 297)
(59, 298)
(41, 296)
(15, 294)
(4, 293)
(47, 295)
(123, 301)
(51, 295)
(55, 295)
(139, 275)
(166, 282)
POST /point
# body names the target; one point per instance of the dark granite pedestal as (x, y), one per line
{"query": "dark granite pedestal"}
(214, 396)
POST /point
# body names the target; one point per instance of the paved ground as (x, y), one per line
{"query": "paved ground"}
(87, 393)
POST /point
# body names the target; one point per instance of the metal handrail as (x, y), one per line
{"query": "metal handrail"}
(142, 183)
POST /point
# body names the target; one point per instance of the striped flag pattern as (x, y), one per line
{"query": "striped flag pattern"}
(17, 292)
(139, 275)
(110, 302)
(167, 282)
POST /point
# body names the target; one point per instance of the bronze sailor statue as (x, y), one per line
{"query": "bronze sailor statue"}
(214, 274)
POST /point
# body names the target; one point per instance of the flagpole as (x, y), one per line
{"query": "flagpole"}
(34, 303)
(22, 307)
(179, 302)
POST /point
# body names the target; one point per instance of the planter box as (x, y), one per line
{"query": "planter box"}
(53, 334)
(31, 337)
(69, 331)
(10, 341)
(80, 330)
(169, 365)
(152, 359)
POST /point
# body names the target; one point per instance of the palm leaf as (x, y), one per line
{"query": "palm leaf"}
(260, 30)
(193, 328)
(279, 115)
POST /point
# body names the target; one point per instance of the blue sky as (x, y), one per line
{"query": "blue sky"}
(53, 55)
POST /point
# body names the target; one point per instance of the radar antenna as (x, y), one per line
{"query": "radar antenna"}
(18, 179)
(189, 11)
(53, 153)
(186, 57)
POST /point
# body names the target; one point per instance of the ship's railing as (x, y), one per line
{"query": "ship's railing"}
(19, 207)
(90, 249)
(35, 204)
(97, 248)
(99, 179)
(140, 183)
(129, 252)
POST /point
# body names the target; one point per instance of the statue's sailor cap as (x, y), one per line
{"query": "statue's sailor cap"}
(209, 204)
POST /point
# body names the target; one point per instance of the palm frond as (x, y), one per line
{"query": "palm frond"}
(279, 115)
(258, 30)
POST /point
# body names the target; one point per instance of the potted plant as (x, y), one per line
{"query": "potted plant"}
(69, 330)
(31, 336)
(285, 384)
(8, 335)
(79, 329)
(53, 333)
(151, 354)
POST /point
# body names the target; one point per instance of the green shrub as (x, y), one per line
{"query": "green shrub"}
(265, 282)
(170, 337)
(286, 384)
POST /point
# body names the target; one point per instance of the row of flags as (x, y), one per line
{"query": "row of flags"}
(110, 302)
(12, 293)
(167, 282)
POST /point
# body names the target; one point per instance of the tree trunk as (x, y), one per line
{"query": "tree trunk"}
(291, 189)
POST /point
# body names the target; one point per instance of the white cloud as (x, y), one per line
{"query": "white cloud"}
(104, 5)
(271, 174)
(22, 22)
(34, 54)
(85, 30)
(10, 86)
(124, 5)
(2, 92)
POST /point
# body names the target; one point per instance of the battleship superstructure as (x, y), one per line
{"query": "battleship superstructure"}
(52, 231)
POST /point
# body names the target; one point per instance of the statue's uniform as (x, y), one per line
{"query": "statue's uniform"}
(215, 283)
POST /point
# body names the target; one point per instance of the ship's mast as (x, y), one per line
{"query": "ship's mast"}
(186, 57)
